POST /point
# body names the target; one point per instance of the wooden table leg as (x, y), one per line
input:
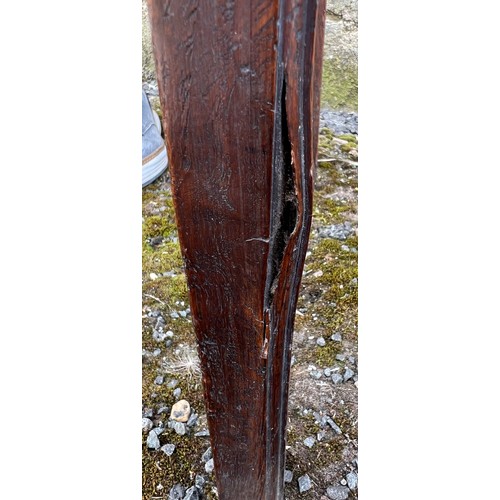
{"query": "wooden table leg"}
(239, 87)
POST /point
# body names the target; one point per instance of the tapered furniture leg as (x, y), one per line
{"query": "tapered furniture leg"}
(239, 87)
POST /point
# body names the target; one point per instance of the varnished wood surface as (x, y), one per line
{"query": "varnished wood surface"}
(239, 86)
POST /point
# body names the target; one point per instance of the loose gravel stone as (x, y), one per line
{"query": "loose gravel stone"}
(316, 374)
(159, 336)
(337, 378)
(147, 412)
(207, 455)
(152, 441)
(192, 494)
(337, 492)
(340, 122)
(179, 428)
(202, 433)
(177, 393)
(147, 424)
(172, 383)
(163, 409)
(181, 411)
(177, 492)
(199, 481)
(310, 441)
(336, 337)
(343, 482)
(352, 480)
(340, 357)
(336, 231)
(193, 419)
(288, 476)
(348, 374)
(320, 435)
(159, 380)
(168, 449)
(333, 425)
(321, 342)
(209, 466)
(304, 483)
(320, 419)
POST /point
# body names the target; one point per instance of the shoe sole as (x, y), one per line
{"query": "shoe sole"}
(154, 167)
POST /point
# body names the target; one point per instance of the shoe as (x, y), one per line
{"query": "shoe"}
(154, 152)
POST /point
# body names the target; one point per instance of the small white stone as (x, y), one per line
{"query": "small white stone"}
(352, 480)
(209, 466)
(168, 449)
(181, 411)
(304, 483)
(309, 441)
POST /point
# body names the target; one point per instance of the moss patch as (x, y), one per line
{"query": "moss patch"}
(167, 257)
(158, 225)
(339, 87)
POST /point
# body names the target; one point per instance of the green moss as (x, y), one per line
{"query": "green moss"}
(166, 257)
(325, 356)
(328, 211)
(348, 147)
(168, 289)
(339, 88)
(345, 421)
(326, 144)
(349, 137)
(337, 292)
(157, 225)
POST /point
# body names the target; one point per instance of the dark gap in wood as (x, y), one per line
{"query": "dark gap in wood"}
(284, 198)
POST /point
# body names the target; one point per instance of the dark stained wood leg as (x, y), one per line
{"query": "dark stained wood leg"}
(239, 86)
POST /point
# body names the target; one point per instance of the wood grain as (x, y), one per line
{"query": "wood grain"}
(239, 87)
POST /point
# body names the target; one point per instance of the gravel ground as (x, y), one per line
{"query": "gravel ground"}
(321, 456)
